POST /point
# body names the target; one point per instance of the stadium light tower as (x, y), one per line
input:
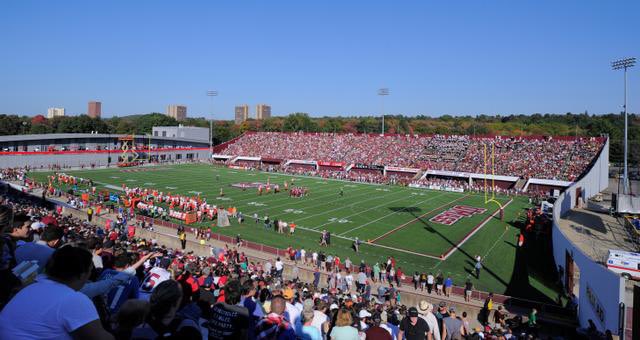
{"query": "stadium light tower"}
(211, 94)
(383, 92)
(624, 64)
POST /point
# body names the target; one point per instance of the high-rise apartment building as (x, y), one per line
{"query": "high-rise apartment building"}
(242, 113)
(263, 111)
(55, 112)
(178, 112)
(95, 109)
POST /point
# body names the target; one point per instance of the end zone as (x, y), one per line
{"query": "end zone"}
(475, 229)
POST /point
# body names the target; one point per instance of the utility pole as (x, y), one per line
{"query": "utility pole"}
(624, 64)
(211, 93)
(383, 92)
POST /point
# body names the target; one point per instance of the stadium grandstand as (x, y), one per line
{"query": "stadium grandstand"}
(65, 150)
(67, 241)
(528, 163)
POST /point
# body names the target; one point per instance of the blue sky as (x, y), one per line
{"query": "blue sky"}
(320, 57)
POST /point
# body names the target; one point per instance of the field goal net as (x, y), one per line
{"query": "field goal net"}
(490, 186)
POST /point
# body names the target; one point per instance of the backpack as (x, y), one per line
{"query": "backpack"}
(10, 284)
(147, 332)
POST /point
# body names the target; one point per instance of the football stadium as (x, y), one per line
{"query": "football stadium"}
(374, 216)
(441, 229)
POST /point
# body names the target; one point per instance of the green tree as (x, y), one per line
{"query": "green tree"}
(369, 125)
(299, 122)
(272, 124)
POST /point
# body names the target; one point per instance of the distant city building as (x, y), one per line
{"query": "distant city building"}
(178, 112)
(55, 112)
(242, 113)
(182, 132)
(95, 109)
(263, 111)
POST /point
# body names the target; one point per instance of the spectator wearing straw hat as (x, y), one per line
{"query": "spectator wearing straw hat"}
(425, 310)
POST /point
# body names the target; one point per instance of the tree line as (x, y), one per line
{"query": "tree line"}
(569, 124)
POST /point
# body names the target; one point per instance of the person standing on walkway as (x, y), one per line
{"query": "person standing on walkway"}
(468, 289)
(448, 284)
(183, 239)
(486, 309)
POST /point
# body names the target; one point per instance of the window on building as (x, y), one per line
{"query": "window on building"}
(164, 133)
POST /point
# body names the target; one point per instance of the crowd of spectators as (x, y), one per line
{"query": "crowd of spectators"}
(544, 157)
(95, 282)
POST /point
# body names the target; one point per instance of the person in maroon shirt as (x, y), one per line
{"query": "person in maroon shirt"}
(375, 332)
(399, 275)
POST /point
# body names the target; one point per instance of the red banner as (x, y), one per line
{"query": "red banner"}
(74, 152)
(331, 164)
(399, 169)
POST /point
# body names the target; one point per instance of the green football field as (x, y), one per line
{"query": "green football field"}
(396, 220)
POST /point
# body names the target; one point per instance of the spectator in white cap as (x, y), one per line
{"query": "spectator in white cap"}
(363, 315)
(38, 228)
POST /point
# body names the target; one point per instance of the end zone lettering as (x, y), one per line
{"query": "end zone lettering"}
(455, 213)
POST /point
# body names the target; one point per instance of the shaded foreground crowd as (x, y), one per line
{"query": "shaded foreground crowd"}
(543, 157)
(63, 277)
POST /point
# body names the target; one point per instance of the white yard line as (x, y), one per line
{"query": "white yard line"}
(457, 246)
(385, 216)
(495, 243)
(416, 219)
(490, 249)
(374, 245)
(374, 207)
(290, 204)
(350, 205)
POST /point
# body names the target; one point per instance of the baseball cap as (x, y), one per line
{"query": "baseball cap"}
(287, 293)
(37, 225)
(452, 309)
(333, 306)
(412, 312)
(364, 314)
(442, 304)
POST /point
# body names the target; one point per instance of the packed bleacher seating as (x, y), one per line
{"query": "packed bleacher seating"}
(94, 282)
(526, 157)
